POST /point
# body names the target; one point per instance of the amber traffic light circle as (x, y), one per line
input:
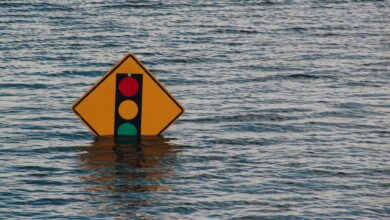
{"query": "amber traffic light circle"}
(128, 109)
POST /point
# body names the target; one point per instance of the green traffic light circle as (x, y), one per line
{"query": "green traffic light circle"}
(127, 129)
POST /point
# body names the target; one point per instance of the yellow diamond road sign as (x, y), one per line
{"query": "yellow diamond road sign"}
(128, 101)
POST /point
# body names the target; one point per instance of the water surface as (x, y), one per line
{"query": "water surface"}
(287, 110)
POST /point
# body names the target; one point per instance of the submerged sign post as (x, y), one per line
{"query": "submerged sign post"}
(128, 101)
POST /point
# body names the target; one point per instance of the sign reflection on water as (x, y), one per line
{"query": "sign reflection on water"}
(128, 165)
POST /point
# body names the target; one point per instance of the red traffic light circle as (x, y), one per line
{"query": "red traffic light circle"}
(128, 86)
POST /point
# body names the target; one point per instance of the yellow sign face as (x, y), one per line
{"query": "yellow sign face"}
(128, 101)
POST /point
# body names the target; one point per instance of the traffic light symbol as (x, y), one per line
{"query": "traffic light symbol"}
(128, 104)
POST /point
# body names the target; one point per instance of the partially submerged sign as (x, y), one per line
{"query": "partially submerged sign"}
(128, 101)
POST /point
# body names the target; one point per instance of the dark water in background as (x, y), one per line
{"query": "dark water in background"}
(287, 109)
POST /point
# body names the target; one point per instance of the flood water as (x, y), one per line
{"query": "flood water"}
(287, 110)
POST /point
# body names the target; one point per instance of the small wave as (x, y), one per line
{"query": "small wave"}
(303, 76)
(242, 118)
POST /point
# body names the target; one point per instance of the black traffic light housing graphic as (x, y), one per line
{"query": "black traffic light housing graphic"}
(128, 104)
